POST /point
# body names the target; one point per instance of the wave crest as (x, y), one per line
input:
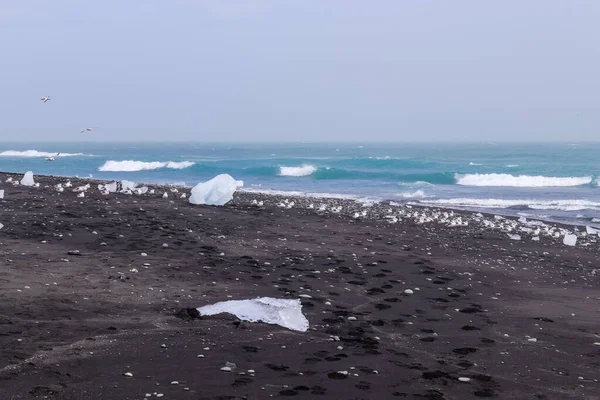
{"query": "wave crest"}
(520, 181)
(303, 170)
(35, 153)
(132, 166)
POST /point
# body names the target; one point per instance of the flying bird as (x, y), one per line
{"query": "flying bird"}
(86, 130)
(45, 99)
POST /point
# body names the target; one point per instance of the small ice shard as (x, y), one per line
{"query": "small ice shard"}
(1, 194)
(570, 240)
(408, 291)
(165, 195)
(216, 192)
(1, 226)
(514, 237)
(283, 312)
(27, 179)
(82, 188)
(81, 194)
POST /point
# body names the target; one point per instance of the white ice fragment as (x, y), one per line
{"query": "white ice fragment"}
(239, 184)
(570, 240)
(464, 379)
(514, 237)
(165, 195)
(283, 312)
(27, 179)
(408, 291)
(217, 192)
(588, 229)
(1, 194)
(81, 188)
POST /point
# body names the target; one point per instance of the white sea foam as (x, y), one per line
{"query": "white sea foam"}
(295, 193)
(511, 165)
(562, 205)
(303, 170)
(131, 165)
(35, 153)
(519, 181)
(472, 163)
(419, 194)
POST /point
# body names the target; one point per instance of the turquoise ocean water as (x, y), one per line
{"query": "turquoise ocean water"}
(550, 181)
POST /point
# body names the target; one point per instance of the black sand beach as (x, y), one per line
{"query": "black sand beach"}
(485, 316)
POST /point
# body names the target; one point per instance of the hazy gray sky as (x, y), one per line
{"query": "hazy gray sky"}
(300, 69)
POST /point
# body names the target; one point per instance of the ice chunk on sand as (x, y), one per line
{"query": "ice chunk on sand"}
(570, 240)
(283, 312)
(514, 237)
(27, 179)
(121, 187)
(588, 229)
(1, 194)
(216, 192)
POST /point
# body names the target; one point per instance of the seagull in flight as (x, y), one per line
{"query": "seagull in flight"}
(86, 130)
(45, 99)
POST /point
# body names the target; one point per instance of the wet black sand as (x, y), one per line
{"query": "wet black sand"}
(80, 305)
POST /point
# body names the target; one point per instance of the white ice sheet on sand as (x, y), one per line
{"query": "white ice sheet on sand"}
(283, 312)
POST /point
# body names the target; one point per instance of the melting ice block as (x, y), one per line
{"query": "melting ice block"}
(283, 312)
(120, 186)
(570, 240)
(216, 192)
(27, 179)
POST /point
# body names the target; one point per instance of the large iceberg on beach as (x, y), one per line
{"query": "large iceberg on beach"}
(27, 179)
(283, 312)
(216, 192)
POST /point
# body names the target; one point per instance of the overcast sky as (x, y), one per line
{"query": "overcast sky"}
(300, 70)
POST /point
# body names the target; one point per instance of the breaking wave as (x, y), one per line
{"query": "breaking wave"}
(419, 194)
(303, 170)
(520, 181)
(559, 205)
(35, 153)
(132, 166)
